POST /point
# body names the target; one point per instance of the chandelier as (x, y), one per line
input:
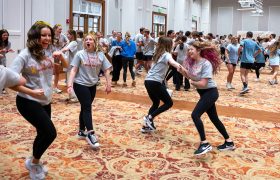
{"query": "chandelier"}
(255, 6)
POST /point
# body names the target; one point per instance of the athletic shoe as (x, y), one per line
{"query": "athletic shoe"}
(257, 79)
(228, 86)
(82, 134)
(148, 122)
(124, 84)
(92, 140)
(275, 82)
(170, 92)
(226, 146)
(146, 129)
(244, 90)
(203, 148)
(57, 91)
(271, 82)
(36, 171)
(231, 87)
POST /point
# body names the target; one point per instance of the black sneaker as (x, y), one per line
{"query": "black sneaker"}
(92, 140)
(82, 134)
(226, 146)
(146, 129)
(149, 123)
(203, 148)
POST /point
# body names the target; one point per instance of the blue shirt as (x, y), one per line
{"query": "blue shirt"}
(249, 48)
(128, 50)
(260, 57)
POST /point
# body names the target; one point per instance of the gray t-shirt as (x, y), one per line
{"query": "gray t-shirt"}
(200, 70)
(182, 53)
(3, 60)
(89, 66)
(38, 74)
(73, 49)
(139, 38)
(149, 46)
(8, 78)
(60, 41)
(159, 69)
(80, 44)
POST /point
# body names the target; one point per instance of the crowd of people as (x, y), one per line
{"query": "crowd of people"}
(190, 58)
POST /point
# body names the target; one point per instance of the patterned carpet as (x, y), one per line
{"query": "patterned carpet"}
(126, 153)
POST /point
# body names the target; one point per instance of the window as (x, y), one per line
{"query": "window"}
(159, 23)
(87, 15)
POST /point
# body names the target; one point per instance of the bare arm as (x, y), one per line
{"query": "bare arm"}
(36, 93)
(108, 80)
(73, 73)
(200, 84)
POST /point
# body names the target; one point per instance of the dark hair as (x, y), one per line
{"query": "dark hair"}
(80, 33)
(33, 37)
(4, 43)
(249, 34)
(73, 33)
(273, 35)
(164, 45)
(161, 33)
(169, 32)
(142, 29)
(187, 33)
(183, 39)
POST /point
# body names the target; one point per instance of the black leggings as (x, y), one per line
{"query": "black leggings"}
(130, 62)
(157, 92)
(85, 96)
(40, 117)
(206, 103)
(117, 66)
(258, 67)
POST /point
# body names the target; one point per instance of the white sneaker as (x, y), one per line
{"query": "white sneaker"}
(228, 86)
(57, 91)
(92, 140)
(36, 171)
(257, 79)
(170, 92)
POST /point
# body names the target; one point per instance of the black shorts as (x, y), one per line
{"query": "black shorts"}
(139, 56)
(231, 64)
(147, 57)
(246, 65)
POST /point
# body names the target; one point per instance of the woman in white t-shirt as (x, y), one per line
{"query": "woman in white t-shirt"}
(154, 82)
(71, 49)
(83, 79)
(36, 64)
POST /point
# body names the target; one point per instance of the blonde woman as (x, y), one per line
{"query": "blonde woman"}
(83, 79)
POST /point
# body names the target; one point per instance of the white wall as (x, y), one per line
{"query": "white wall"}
(13, 21)
(242, 20)
(196, 11)
(205, 16)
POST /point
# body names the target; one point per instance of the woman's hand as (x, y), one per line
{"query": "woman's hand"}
(37, 93)
(57, 54)
(69, 89)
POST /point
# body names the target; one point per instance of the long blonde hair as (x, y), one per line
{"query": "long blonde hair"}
(164, 45)
(273, 48)
(127, 38)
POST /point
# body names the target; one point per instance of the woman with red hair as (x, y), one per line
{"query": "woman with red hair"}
(203, 61)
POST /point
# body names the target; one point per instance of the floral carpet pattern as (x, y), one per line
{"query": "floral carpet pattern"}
(126, 153)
